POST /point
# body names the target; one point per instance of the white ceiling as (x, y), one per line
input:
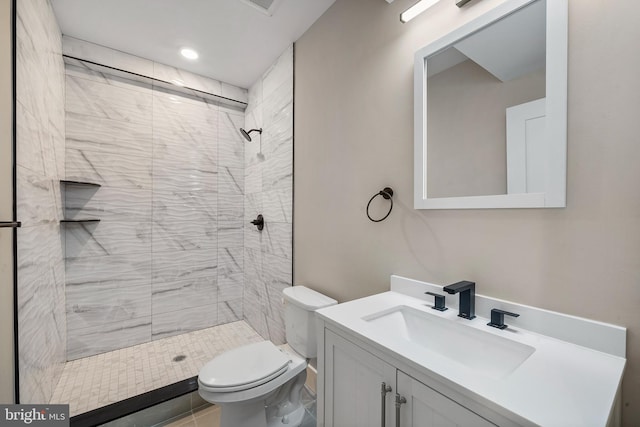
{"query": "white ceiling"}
(236, 42)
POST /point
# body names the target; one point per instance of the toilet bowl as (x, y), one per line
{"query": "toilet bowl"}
(259, 385)
(248, 379)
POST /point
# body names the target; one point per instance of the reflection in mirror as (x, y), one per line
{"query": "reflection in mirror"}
(482, 121)
(471, 87)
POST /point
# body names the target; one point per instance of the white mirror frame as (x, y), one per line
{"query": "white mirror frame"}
(556, 114)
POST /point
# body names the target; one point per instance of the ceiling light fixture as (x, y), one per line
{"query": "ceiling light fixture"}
(416, 10)
(189, 53)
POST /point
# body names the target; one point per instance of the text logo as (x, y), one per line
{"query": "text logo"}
(34, 415)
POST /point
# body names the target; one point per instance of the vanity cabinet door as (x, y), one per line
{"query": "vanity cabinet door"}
(353, 386)
(425, 407)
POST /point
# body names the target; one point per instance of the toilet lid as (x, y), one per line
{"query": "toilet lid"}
(244, 367)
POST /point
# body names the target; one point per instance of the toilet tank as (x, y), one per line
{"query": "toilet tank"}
(299, 318)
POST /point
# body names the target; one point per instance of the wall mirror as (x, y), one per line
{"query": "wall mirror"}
(491, 111)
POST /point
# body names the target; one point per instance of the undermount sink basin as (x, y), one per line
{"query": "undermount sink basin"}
(480, 351)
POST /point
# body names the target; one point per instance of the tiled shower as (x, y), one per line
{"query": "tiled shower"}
(136, 200)
(170, 168)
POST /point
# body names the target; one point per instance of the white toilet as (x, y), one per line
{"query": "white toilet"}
(259, 385)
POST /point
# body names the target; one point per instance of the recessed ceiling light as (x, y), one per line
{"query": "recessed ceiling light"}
(189, 53)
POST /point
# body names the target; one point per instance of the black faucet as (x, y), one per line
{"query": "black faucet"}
(497, 318)
(467, 290)
(438, 302)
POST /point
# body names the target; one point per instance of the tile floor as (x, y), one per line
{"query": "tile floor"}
(207, 417)
(100, 380)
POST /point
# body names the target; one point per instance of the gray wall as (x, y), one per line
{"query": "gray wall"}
(353, 134)
(171, 169)
(40, 158)
(269, 191)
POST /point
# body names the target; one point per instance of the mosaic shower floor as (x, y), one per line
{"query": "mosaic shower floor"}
(96, 381)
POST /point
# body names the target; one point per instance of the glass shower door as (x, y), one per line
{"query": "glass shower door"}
(8, 222)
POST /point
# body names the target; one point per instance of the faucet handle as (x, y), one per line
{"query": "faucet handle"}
(439, 301)
(497, 318)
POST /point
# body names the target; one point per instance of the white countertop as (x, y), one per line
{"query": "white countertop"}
(560, 384)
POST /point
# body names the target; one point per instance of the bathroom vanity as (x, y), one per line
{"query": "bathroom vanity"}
(390, 360)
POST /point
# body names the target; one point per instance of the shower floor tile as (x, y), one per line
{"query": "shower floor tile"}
(100, 380)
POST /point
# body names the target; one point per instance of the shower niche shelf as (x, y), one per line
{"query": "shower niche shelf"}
(78, 221)
(79, 185)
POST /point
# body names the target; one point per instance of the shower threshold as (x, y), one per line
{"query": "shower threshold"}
(97, 381)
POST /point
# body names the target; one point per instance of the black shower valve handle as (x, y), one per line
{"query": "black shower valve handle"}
(259, 222)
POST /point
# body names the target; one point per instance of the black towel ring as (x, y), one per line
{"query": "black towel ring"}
(386, 193)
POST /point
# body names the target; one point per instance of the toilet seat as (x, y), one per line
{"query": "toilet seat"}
(244, 368)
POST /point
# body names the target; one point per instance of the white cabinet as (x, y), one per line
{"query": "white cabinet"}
(354, 378)
(351, 394)
(425, 407)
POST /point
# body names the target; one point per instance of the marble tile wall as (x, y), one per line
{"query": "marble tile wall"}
(231, 264)
(40, 166)
(108, 264)
(167, 256)
(268, 187)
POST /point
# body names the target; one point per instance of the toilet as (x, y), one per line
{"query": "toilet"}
(259, 385)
